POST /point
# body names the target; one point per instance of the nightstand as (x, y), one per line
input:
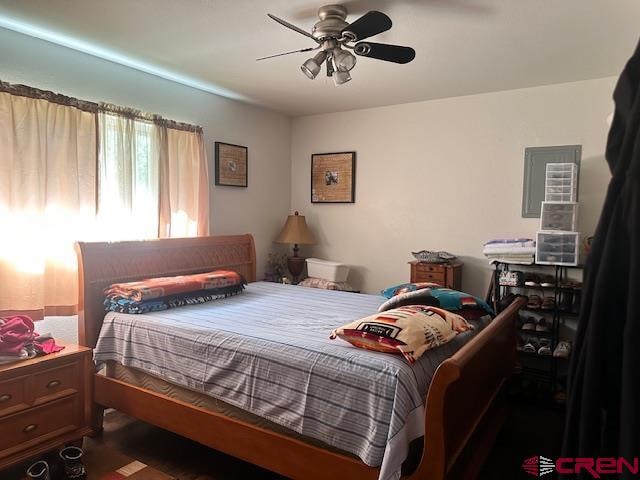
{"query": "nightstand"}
(446, 274)
(45, 403)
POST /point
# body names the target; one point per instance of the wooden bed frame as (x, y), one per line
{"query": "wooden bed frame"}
(463, 408)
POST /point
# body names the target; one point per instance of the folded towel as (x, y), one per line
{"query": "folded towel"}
(525, 241)
(514, 255)
(518, 259)
(490, 249)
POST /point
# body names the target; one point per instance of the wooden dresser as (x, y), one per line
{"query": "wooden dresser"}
(45, 403)
(446, 274)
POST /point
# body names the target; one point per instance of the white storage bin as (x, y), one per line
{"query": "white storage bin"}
(558, 248)
(327, 270)
(561, 182)
(561, 216)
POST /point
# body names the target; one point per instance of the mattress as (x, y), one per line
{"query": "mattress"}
(267, 352)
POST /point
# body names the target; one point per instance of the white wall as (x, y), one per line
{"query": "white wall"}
(445, 175)
(259, 209)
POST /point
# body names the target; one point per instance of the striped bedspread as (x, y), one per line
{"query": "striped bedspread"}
(268, 351)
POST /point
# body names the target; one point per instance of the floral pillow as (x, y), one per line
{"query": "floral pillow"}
(425, 293)
(410, 330)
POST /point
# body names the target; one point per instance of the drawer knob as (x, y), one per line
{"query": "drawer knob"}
(5, 397)
(54, 384)
(30, 428)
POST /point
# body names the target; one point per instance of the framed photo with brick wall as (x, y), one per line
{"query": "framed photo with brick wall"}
(231, 164)
(333, 177)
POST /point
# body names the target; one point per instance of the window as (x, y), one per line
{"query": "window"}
(128, 182)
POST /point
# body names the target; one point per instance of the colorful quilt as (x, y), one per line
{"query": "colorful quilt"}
(162, 293)
(159, 287)
(125, 305)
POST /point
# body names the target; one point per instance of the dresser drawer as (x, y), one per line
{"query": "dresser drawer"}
(430, 277)
(430, 268)
(61, 380)
(13, 395)
(38, 424)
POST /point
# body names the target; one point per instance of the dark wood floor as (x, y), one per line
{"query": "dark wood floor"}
(530, 430)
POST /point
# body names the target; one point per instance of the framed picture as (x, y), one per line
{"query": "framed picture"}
(231, 165)
(333, 177)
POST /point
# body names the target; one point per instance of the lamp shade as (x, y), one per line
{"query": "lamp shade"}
(295, 231)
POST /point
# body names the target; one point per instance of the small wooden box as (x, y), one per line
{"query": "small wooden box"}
(446, 274)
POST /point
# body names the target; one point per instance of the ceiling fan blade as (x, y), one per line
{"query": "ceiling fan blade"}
(284, 23)
(368, 25)
(386, 52)
(287, 53)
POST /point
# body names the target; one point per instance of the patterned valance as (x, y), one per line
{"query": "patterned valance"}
(26, 91)
(93, 107)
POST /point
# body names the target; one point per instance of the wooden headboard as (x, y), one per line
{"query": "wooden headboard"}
(102, 263)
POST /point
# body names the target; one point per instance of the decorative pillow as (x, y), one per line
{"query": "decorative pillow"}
(424, 293)
(407, 287)
(416, 297)
(410, 330)
(313, 282)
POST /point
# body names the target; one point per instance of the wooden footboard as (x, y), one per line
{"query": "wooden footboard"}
(460, 402)
(462, 393)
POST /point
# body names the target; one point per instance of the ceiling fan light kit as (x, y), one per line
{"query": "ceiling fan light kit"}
(311, 67)
(334, 35)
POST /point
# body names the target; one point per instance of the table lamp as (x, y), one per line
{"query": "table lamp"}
(295, 231)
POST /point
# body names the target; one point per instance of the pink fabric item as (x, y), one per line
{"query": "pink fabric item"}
(48, 346)
(15, 333)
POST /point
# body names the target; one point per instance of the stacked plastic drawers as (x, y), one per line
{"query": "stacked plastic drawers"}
(558, 240)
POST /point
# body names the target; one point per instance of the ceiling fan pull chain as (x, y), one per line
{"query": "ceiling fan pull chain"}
(330, 68)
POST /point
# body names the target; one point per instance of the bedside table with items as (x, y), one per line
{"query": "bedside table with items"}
(446, 274)
(45, 403)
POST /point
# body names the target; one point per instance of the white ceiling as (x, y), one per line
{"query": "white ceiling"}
(463, 46)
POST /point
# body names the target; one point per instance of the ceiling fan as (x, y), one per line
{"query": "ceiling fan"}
(335, 37)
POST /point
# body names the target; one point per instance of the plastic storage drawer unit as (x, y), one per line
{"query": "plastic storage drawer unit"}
(557, 248)
(559, 216)
(561, 183)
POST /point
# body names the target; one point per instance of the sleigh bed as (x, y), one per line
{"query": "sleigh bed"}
(464, 408)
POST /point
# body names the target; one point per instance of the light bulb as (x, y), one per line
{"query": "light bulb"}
(341, 77)
(311, 67)
(343, 60)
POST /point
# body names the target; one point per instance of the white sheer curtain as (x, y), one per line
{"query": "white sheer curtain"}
(47, 201)
(184, 192)
(128, 165)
